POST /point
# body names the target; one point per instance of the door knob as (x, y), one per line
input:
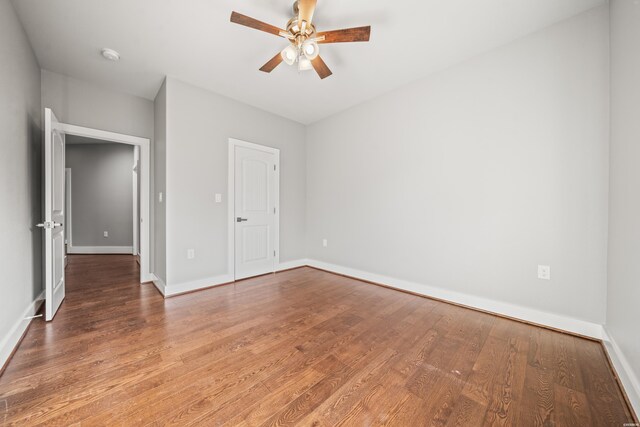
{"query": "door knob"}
(238, 219)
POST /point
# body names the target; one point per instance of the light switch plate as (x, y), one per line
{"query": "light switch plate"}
(191, 253)
(324, 243)
(544, 272)
(218, 198)
(105, 234)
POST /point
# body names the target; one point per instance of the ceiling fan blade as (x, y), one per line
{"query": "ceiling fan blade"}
(305, 10)
(273, 63)
(238, 18)
(358, 34)
(321, 68)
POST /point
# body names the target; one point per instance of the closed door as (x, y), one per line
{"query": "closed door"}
(54, 207)
(255, 198)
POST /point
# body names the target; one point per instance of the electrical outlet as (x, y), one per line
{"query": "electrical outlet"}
(105, 234)
(544, 272)
(324, 243)
(191, 253)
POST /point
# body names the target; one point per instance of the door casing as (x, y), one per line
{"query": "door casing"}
(145, 184)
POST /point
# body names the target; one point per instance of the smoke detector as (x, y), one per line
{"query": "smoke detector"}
(110, 54)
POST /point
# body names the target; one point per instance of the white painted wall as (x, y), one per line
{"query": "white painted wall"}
(20, 180)
(85, 104)
(199, 125)
(160, 168)
(101, 193)
(470, 178)
(623, 296)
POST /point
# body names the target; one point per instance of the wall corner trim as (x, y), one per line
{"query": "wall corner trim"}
(159, 284)
(628, 379)
(10, 342)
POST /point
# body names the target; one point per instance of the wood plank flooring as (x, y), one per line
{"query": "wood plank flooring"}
(301, 347)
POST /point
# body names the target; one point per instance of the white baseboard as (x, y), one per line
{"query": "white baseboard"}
(158, 283)
(180, 288)
(146, 278)
(100, 250)
(10, 341)
(628, 377)
(287, 265)
(552, 320)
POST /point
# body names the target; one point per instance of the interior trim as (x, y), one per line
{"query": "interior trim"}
(12, 340)
(100, 250)
(544, 319)
(623, 372)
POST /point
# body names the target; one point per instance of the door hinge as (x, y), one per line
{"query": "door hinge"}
(274, 167)
(274, 253)
(274, 210)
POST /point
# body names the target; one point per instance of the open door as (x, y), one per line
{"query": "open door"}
(54, 207)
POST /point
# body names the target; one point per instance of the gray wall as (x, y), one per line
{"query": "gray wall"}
(20, 176)
(101, 193)
(160, 167)
(470, 178)
(85, 104)
(623, 298)
(199, 124)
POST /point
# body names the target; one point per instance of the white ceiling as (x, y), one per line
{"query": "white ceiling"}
(194, 41)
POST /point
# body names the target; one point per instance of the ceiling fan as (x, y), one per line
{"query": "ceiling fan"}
(303, 48)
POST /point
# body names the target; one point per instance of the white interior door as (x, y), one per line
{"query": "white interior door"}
(255, 196)
(54, 207)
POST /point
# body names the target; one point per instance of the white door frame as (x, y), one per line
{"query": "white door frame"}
(231, 246)
(145, 180)
(68, 234)
(134, 181)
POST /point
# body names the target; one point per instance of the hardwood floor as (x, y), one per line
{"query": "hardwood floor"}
(300, 347)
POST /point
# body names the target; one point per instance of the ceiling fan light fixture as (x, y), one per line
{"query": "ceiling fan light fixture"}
(310, 49)
(304, 64)
(303, 38)
(289, 55)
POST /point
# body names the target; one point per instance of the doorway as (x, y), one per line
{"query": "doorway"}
(144, 174)
(55, 210)
(254, 209)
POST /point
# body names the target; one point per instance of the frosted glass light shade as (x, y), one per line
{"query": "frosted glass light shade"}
(310, 49)
(289, 54)
(304, 64)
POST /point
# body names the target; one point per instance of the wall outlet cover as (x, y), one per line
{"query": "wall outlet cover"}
(324, 243)
(544, 272)
(105, 234)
